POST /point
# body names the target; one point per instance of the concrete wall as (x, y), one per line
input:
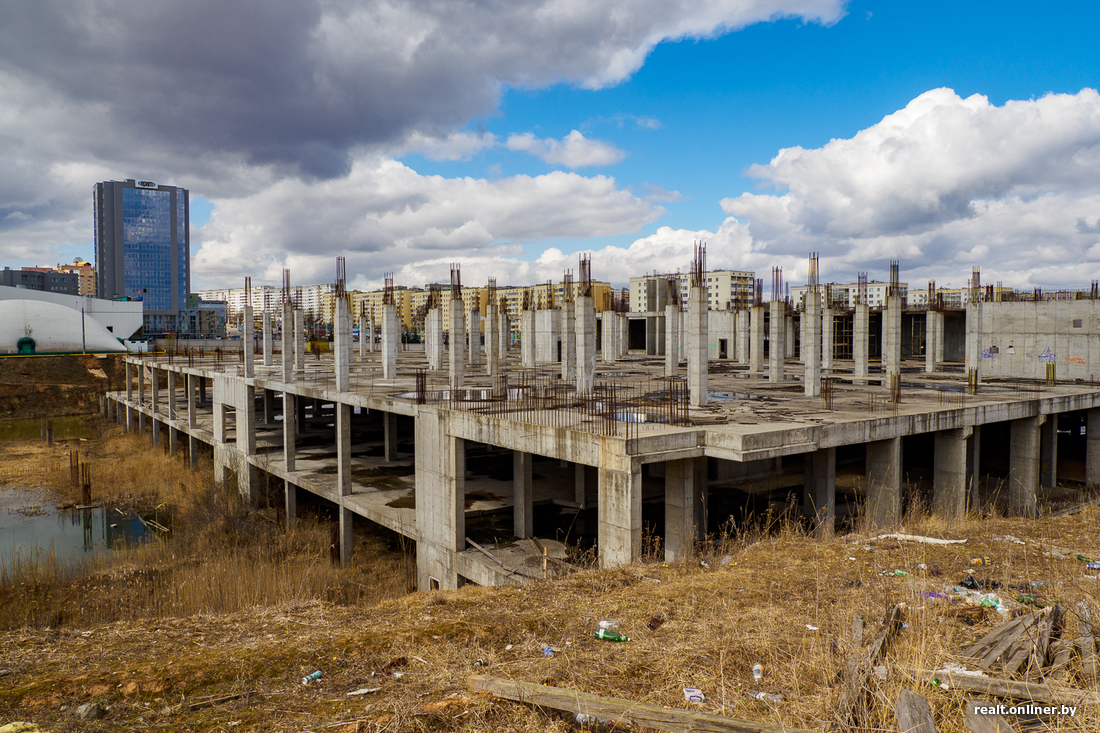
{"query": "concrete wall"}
(1018, 339)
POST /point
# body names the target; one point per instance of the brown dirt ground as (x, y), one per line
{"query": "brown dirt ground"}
(52, 386)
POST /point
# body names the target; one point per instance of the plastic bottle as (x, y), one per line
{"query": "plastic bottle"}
(547, 650)
(765, 696)
(311, 677)
(610, 635)
(757, 672)
(1092, 565)
(1082, 558)
(608, 625)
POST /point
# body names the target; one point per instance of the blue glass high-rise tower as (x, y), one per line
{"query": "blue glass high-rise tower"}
(142, 248)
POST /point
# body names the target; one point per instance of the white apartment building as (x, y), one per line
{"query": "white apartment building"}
(722, 287)
(844, 294)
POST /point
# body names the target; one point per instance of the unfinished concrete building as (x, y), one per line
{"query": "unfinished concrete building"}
(833, 414)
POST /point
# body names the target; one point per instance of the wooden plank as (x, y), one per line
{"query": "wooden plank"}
(618, 710)
(914, 713)
(857, 629)
(1026, 646)
(850, 705)
(1063, 653)
(980, 648)
(1085, 640)
(985, 722)
(1029, 691)
(1007, 642)
(1048, 629)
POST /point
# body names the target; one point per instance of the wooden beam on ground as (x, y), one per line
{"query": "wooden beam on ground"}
(984, 722)
(1063, 653)
(633, 713)
(1029, 691)
(1048, 629)
(914, 713)
(1085, 639)
(857, 629)
(850, 705)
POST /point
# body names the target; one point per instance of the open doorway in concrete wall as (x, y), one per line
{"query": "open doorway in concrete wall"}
(918, 467)
(636, 333)
(954, 336)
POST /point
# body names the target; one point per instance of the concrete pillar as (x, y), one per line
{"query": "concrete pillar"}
(930, 333)
(364, 336)
(154, 388)
(268, 340)
(173, 440)
(343, 449)
(246, 440)
(1023, 462)
(341, 326)
(290, 431)
(248, 343)
(653, 339)
(1048, 453)
(371, 326)
(458, 345)
(268, 397)
(619, 535)
(828, 316)
(777, 348)
(568, 342)
(586, 344)
(141, 397)
(440, 499)
(820, 487)
(974, 337)
(171, 394)
(299, 340)
(347, 519)
(473, 327)
(290, 501)
(939, 337)
(883, 470)
(802, 321)
(789, 343)
(391, 335)
(288, 344)
(624, 334)
(192, 421)
(685, 506)
(129, 381)
(756, 339)
(609, 327)
(492, 340)
(891, 337)
(861, 321)
(527, 339)
(672, 340)
(523, 495)
(742, 339)
(389, 435)
(1092, 448)
(434, 336)
(949, 485)
(697, 343)
(504, 333)
(811, 345)
(973, 468)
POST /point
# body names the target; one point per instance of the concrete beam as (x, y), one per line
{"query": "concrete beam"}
(341, 326)
(949, 484)
(756, 339)
(299, 340)
(883, 483)
(742, 338)
(171, 394)
(568, 342)
(828, 321)
(290, 503)
(346, 522)
(473, 328)
(492, 340)
(891, 336)
(288, 344)
(586, 344)
(457, 353)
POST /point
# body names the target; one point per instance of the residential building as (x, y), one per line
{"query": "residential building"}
(724, 287)
(41, 278)
(85, 271)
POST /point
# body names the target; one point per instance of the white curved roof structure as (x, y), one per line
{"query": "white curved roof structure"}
(34, 326)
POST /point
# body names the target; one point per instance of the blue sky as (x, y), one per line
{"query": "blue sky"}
(446, 133)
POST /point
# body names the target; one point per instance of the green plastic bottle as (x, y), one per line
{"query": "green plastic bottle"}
(610, 635)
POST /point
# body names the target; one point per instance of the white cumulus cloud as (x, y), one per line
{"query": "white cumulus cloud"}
(573, 151)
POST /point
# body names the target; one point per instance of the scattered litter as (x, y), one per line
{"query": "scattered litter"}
(311, 677)
(508, 648)
(812, 628)
(880, 671)
(655, 622)
(704, 563)
(610, 635)
(918, 538)
(607, 625)
(764, 696)
(694, 694)
(547, 650)
(388, 667)
(653, 580)
(364, 691)
(921, 566)
(934, 596)
(757, 672)
(971, 583)
(479, 662)
(984, 560)
(1028, 599)
(590, 721)
(898, 573)
(1054, 554)
(726, 560)
(1009, 538)
(852, 559)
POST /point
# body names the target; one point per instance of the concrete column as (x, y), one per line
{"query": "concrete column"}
(861, 321)
(290, 431)
(777, 348)
(1048, 453)
(624, 334)
(802, 321)
(973, 468)
(141, 397)
(1023, 462)
(389, 435)
(653, 339)
(811, 345)
(568, 342)
(891, 337)
(269, 406)
(883, 468)
(299, 340)
(1092, 448)
(129, 381)
(504, 333)
(434, 336)
(458, 345)
(492, 340)
(341, 326)
(620, 516)
(939, 337)
(827, 323)
(364, 336)
(697, 343)
(741, 337)
(192, 421)
(685, 506)
(440, 499)
(586, 344)
(974, 337)
(672, 340)
(347, 519)
(527, 339)
(288, 344)
(343, 448)
(756, 339)
(523, 495)
(789, 343)
(268, 340)
(290, 499)
(248, 343)
(246, 440)
(154, 388)
(610, 333)
(173, 440)
(171, 395)
(391, 336)
(371, 325)
(930, 333)
(949, 486)
(820, 480)
(473, 327)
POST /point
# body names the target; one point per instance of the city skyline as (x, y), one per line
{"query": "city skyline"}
(941, 136)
